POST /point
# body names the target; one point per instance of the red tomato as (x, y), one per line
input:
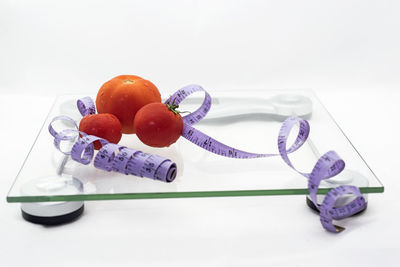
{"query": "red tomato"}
(158, 125)
(123, 96)
(103, 125)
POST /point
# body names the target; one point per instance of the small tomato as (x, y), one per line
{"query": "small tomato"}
(103, 125)
(158, 124)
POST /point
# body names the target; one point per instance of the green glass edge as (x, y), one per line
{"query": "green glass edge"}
(236, 193)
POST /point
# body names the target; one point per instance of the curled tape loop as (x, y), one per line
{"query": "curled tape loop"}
(329, 165)
(201, 112)
(69, 134)
(86, 106)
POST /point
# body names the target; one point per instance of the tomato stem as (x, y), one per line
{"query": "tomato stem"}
(174, 107)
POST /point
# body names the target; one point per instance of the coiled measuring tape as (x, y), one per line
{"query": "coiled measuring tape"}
(111, 157)
(134, 162)
(327, 166)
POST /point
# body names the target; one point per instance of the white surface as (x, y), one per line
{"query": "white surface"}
(346, 50)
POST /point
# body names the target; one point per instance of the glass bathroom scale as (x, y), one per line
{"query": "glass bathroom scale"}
(248, 121)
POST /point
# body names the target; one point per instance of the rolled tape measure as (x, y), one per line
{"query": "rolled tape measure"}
(134, 162)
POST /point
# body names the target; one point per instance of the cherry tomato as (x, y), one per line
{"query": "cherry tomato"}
(158, 124)
(103, 125)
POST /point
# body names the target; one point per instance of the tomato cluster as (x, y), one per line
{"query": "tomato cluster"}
(129, 104)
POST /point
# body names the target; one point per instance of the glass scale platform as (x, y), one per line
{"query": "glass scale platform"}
(248, 121)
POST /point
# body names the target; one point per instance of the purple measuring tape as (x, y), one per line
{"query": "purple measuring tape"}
(327, 166)
(111, 157)
(134, 162)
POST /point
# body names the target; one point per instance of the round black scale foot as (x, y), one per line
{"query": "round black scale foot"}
(311, 205)
(52, 213)
(53, 220)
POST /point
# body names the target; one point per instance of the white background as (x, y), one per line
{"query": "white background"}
(347, 51)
